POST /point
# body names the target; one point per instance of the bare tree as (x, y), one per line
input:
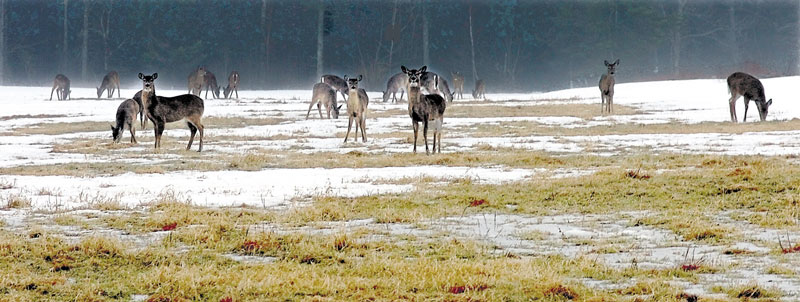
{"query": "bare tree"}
(2, 40)
(64, 55)
(266, 26)
(85, 47)
(425, 38)
(320, 35)
(472, 45)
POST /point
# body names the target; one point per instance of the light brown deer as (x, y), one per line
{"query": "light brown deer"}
(397, 82)
(196, 81)
(61, 87)
(161, 110)
(749, 87)
(233, 85)
(110, 82)
(480, 90)
(126, 117)
(210, 83)
(424, 108)
(324, 94)
(458, 84)
(607, 88)
(357, 102)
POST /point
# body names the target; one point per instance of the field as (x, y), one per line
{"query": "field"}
(535, 196)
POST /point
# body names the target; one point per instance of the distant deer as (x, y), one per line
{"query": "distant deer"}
(324, 94)
(607, 88)
(440, 87)
(196, 81)
(161, 110)
(61, 86)
(110, 82)
(480, 90)
(126, 117)
(424, 108)
(397, 82)
(458, 84)
(210, 83)
(357, 102)
(742, 84)
(233, 85)
(337, 83)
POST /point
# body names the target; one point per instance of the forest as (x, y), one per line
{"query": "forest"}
(513, 45)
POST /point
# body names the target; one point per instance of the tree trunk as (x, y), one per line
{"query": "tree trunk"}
(472, 45)
(85, 48)
(64, 55)
(266, 26)
(394, 23)
(425, 40)
(2, 41)
(798, 39)
(736, 56)
(320, 35)
(677, 39)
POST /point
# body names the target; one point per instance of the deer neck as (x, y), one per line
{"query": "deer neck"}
(353, 100)
(413, 96)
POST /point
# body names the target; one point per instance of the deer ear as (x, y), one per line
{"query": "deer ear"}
(617, 62)
(605, 62)
(155, 75)
(345, 78)
(769, 103)
(423, 69)
(360, 77)
(141, 76)
(340, 107)
(403, 68)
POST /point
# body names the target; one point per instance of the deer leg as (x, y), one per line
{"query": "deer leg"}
(319, 109)
(610, 104)
(200, 128)
(51, 93)
(732, 103)
(415, 125)
(193, 130)
(746, 104)
(133, 133)
(309, 109)
(363, 128)
(158, 128)
(425, 135)
(118, 93)
(349, 125)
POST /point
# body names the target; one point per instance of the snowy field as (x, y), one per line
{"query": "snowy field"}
(58, 139)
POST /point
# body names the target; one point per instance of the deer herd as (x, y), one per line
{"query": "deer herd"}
(427, 94)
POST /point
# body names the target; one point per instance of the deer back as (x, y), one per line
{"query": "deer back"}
(336, 82)
(747, 86)
(172, 109)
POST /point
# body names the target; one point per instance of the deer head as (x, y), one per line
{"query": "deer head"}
(612, 68)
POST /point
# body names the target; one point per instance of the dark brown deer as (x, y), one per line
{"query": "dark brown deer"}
(458, 84)
(324, 94)
(210, 83)
(161, 110)
(110, 82)
(233, 85)
(61, 87)
(337, 83)
(196, 81)
(607, 88)
(397, 82)
(747, 86)
(480, 90)
(424, 108)
(126, 117)
(357, 102)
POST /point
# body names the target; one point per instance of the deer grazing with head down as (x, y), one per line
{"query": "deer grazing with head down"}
(196, 81)
(747, 86)
(110, 82)
(61, 87)
(397, 82)
(607, 88)
(126, 117)
(458, 84)
(424, 108)
(161, 110)
(480, 90)
(210, 83)
(357, 102)
(233, 85)
(324, 94)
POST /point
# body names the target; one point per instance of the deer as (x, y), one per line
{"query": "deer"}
(110, 82)
(337, 83)
(324, 94)
(61, 87)
(749, 87)
(196, 81)
(458, 84)
(161, 110)
(480, 90)
(397, 82)
(126, 117)
(357, 102)
(441, 87)
(210, 83)
(424, 108)
(233, 85)
(607, 87)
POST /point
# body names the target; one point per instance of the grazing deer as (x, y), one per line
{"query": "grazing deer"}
(397, 82)
(126, 117)
(357, 102)
(480, 90)
(439, 86)
(161, 110)
(424, 108)
(742, 84)
(196, 81)
(61, 86)
(110, 82)
(337, 83)
(233, 85)
(210, 83)
(324, 94)
(607, 88)
(458, 84)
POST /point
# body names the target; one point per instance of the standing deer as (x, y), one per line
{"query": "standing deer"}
(357, 102)
(61, 87)
(233, 85)
(424, 108)
(397, 82)
(110, 82)
(324, 94)
(126, 117)
(439, 86)
(337, 83)
(747, 86)
(196, 81)
(210, 83)
(458, 84)
(161, 110)
(480, 90)
(607, 88)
